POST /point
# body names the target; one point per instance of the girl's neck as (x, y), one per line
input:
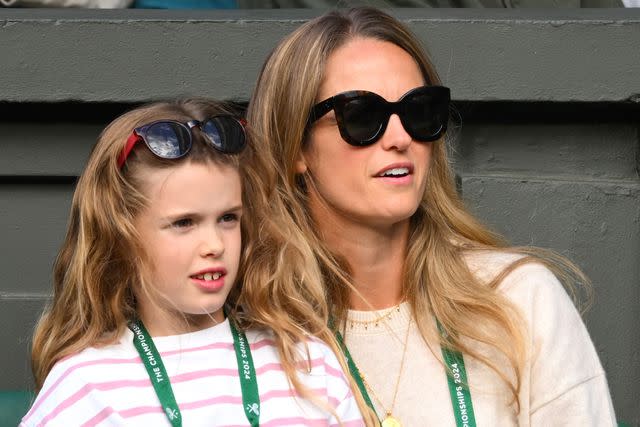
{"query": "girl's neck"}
(161, 323)
(376, 259)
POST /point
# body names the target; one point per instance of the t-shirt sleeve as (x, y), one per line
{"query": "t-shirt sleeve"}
(66, 399)
(339, 394)
(349, 414)
(49, 405)
(567, 385)
(55, 399)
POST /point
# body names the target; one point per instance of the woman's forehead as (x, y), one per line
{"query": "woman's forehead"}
(370, 64)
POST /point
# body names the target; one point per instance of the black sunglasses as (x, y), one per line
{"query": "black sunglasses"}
(363, 116)
(170, 139)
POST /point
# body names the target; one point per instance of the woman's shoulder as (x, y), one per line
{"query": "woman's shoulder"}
(517, 272)
(544, 304)
(528, 283)
(486, 264)
(560, 350)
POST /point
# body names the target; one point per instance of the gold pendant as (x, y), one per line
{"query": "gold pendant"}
(390, 422)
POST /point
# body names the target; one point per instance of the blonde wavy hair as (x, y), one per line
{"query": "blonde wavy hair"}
(288, 254)
(101, 261)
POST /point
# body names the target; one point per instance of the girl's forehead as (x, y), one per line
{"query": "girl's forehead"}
(192, 184)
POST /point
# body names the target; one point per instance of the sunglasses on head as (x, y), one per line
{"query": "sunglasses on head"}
(170, 139)
(363, 116)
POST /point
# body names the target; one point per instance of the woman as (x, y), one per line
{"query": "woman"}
(441, 323)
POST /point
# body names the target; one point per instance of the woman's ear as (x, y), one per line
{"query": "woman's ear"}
(300, 165)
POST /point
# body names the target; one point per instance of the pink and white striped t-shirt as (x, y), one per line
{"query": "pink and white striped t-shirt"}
(109, 386)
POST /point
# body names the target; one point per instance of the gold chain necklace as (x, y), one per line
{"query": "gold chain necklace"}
(390, 420)
(376, 321)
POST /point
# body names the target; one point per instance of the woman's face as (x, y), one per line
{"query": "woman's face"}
(351, 180)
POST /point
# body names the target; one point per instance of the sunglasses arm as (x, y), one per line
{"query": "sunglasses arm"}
(320, 109)
(131, 142)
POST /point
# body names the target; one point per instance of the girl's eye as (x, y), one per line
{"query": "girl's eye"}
(230, 217)
(182, 223)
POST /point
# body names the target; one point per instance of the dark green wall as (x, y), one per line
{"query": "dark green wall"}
(547, 140)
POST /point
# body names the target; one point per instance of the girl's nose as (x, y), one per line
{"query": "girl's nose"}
(212, 244)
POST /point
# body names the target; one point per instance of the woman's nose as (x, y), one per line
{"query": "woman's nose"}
(395, 136)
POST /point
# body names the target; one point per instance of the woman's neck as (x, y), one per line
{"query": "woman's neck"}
(376, 259)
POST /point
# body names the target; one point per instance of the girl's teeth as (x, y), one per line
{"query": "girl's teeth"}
(210, 276)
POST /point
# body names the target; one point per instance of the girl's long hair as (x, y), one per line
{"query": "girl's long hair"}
(101, 261)
(290, 264)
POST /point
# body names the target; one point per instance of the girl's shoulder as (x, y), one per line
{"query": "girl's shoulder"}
(318, 365)
(263, 344)
(85, 362)
(318, 370)
(64, 385)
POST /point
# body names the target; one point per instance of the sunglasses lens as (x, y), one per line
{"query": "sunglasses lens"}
(362, 118)
(426, 113)
(225, 133)
(168, 140)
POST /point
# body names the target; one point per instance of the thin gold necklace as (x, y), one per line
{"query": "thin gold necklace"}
(390, 420)
(379, 318)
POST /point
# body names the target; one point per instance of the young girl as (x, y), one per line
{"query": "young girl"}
(144, 328)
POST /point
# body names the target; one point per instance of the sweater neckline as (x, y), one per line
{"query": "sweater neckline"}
(392, 318)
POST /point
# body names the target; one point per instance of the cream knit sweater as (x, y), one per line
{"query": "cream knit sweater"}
(563, 382)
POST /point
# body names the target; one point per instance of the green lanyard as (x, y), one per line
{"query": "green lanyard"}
(458, 386)
(456, 377)
(353, 369)
(247, 374)
(160, 380)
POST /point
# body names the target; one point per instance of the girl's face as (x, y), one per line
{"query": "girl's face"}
(191, 232)
(350, 179)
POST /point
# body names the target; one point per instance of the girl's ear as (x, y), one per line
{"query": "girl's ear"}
(300, 165)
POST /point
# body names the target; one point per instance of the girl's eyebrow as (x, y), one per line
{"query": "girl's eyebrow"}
(170, 219)
(183, 214)
(235, 208)
(192, 214)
